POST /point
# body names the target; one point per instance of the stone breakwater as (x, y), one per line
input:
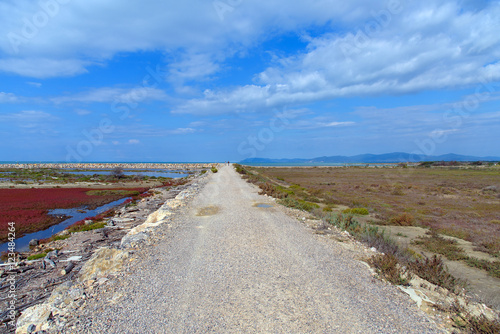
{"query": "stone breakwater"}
(185, 166)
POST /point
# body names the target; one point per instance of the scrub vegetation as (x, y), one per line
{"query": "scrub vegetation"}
(458, 203)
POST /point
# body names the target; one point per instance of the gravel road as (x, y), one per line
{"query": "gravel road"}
(228, 266)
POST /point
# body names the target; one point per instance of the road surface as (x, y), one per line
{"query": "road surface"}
(229, 266)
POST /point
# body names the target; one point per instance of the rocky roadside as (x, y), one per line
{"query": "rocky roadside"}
(440, 304)
(67, 304)
(50, 290)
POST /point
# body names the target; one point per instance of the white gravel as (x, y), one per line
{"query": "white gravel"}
(247, 269)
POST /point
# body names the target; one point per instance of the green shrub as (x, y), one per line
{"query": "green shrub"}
(54, 238)
(84, 228)
(36, 256)
(112, 192)
(344, 222)
(439, 245)
(239, 169)
(357, 211)
(214, 170)
(298, 204)
(398, 190)
(492, 267)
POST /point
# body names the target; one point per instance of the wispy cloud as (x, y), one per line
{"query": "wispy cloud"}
(8, 98)
(41, 68)
(33, 121)
(82, 112)
(181, 131)
(108, 95)
(28, 117)
(317, 123)
(34, 84)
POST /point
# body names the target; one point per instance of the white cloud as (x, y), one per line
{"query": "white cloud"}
(8, 98)
(34, 84)
(33, 121)
(338, 124)
(439, 132)
(28, 116)
(430, 46)
(115, 142)
(41, 68)
(133, 141)
(316, 123)
(82, 112)
(191, 67)
(182, 131)
(107, 95)
(80, 34)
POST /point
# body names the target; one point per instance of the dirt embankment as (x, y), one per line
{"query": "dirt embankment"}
(62, 260)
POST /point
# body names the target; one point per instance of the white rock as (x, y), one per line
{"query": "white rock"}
(35, 315)
(104, 261)
(133, 239)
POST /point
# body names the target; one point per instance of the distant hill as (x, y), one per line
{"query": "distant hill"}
(375, 158)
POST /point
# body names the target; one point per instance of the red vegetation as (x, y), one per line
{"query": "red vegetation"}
(28, 208)
(175, 182)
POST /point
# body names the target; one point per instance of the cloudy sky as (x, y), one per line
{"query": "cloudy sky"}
(203, 80)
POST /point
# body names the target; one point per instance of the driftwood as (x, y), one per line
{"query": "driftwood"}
(68, 268)
(18, 270)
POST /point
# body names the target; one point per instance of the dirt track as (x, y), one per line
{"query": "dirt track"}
(229, 266)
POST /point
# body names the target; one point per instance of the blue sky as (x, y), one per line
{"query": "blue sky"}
(88, 80)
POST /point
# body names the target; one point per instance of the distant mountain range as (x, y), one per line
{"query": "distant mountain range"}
(375, 158)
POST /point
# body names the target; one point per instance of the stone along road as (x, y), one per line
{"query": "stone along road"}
(228, 266)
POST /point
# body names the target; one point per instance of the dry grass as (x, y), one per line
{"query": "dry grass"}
(387, 265)
(451, 201)
(404, 219)
(434, 271)
(396, 264)
(473, 324)
(439, 245)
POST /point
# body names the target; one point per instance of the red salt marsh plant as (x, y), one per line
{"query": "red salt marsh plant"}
(29, 208)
